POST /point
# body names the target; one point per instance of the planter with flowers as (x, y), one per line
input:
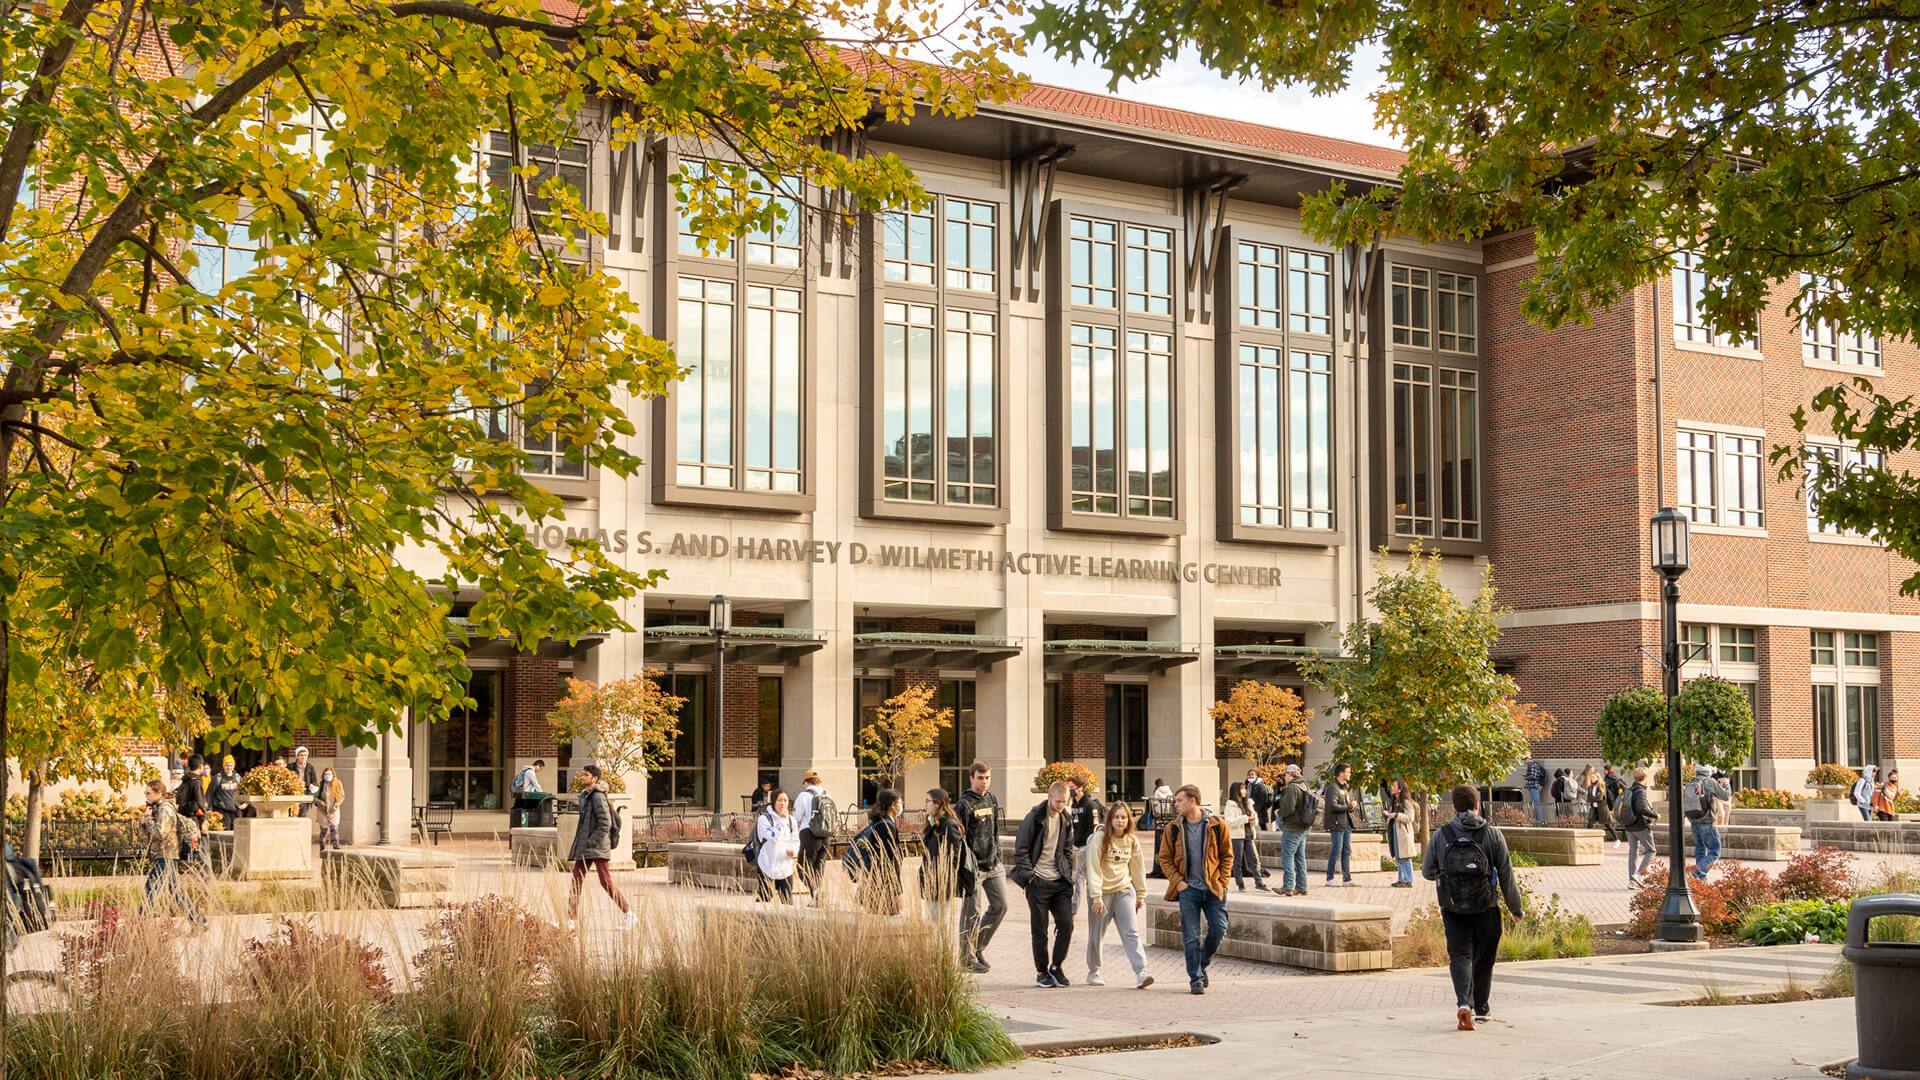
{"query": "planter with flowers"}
(1832, 786)
(1068, 771)
(274, 844)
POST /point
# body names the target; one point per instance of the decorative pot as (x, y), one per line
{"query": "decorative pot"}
(277, 806)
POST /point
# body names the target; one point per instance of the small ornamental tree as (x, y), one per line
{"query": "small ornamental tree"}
(628, 724)
(905, 732)
(1713, 723)
(1536, 723)
(1633, 727)
(1419, 700)
(1261, 722)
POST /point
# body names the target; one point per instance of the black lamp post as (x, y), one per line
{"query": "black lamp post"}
(720, 619)
(1679, 922)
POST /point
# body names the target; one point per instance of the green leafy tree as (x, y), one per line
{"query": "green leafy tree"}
(269, 304)
(1713, 723)
(1774, 138)
(1419, 699)
(1632, 727)
(905, 732)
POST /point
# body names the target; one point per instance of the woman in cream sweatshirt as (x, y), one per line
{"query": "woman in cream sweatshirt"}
(1116, 876)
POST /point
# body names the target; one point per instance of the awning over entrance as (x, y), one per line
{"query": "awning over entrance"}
(745, 644)
(503, 648)
(1105, 656)
(912, 649)
(1265, 661)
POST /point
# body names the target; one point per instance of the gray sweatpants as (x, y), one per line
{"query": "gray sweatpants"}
(1119, 911)
(977, 929)
(1638, 839)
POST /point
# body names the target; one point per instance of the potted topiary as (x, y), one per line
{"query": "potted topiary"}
(1832, 785)
(273, 791)
(273, 843)
(1063, 771)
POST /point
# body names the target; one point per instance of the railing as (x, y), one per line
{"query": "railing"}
(74, 840)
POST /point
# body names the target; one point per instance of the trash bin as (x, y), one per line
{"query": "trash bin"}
(1886, 983)
(533, 810)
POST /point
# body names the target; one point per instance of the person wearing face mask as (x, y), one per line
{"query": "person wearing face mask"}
(326, 808)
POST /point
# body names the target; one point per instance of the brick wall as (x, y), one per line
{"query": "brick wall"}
(1783, 722)
(533, 689)
(1570, 671)
(1083, 704)
(1899, 685)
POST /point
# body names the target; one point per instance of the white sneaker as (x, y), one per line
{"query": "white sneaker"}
(1094, 979)
(1144, 981)
(627, 921)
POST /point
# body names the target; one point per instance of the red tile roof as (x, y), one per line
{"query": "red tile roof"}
(1193, 125)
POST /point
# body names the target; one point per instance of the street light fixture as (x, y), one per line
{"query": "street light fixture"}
(1679, 921)
(719, 620)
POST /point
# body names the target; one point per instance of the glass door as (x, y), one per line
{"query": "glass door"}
(957, 749)
(869, 695)
(464, 750)
(682, 782)
(1126, 741)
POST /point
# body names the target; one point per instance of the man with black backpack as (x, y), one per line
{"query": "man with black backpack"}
(980, 816)
(1635, 815)
(817, 819)
(1468, 859)
(1296, 807)
(1262, 796)
(1698, 806)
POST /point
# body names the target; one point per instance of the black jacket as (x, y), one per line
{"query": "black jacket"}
(1085, 815)
(940, 864)
(1474, 827)
(190, 799)
(1032, 837)
(980, 816)
(1338, 802)
(1643, 815)
(224, 796)
(1261, 794)
(1615, 786)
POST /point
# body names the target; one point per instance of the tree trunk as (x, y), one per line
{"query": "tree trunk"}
(36, 797)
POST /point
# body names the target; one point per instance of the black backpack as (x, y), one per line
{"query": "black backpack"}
(859, 854)
(29, 901)
(1466, 875)
(1309, 803)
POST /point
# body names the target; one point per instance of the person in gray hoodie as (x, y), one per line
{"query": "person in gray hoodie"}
(1863, 792)
(593, 846)
(1701, 794)
(1468, 859)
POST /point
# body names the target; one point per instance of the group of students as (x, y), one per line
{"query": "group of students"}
(198, 791)
(1877, 800)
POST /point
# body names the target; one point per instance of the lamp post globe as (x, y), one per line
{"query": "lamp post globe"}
(1679, 920)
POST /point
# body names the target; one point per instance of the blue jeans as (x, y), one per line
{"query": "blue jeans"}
(1340, 851)
(1293, 860)
(164, 894)
(1200, 945)
(1706, 847)
(1406, 870)
(1539, 808)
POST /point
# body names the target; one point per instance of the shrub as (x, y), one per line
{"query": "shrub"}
(1633, 726)
(1524, 860)
(354, 968)
(1790, 922)
(1747, 887)
(1907, 802)
(1546, 932)
(315, 997)
(484, 964)
(1509, 814)
(1831, 775)
(1425, 942)
(1066, 771)
(1710, 899)
(1768, 799)
(1822, 874)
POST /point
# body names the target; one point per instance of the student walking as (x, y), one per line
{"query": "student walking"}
(1043, 866)
(1262, 795)
(876, 853)
(326, 808)
(1196, 854)
(1338, 799)
(815, 816)
(1085, 810)
(1863, 792)
(945, 869)
(1599, 810)
(593, 847)
(1637, 817)
(1467, 858)
(190, 798)
(1616, 790)
(1295, 807)
(1886, 799)
(980, 818)
(1116, 874)
(1535, 781)
(1238, 813)
(1400, 814)
(779, 855)
(1701, 794)
(167, 834)
(223, 795)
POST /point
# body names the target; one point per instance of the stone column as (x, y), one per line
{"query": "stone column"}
(359, 771)
(1179, 731)
(817, 699)
(1011, 698)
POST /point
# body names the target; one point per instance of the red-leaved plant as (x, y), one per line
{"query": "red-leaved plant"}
(1824, 873)
(1718, 916)
(297, 952)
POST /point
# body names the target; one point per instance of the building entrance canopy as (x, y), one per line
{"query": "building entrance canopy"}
(766, 645)
(1106, 656)
(912, 649)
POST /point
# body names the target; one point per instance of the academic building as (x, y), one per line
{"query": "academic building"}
(1101, 432)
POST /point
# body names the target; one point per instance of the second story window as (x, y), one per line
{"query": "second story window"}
(1117, 400)
(1690, 283)
(1822, 342)
(1718, 477)
(568, 164)
(1833, 458)
(1412, 307)
(221, 260)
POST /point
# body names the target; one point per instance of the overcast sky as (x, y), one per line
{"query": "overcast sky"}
(1188, 85)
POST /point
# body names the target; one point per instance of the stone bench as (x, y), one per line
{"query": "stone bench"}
(534, 845)
(402, 877)
(1557, 847)
(1886, 837)
(1779, 819)
(1748, 843)
(711, 866)
(1297, 932)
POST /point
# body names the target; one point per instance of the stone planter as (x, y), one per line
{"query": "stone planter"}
(1296, 931)
(566, 825)
(1831, 809)
(269, 848)
(1792, 819)
(277, 806)
(1747, 843)
(1557, 847)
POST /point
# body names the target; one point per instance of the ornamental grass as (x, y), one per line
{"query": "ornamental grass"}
(489, 988)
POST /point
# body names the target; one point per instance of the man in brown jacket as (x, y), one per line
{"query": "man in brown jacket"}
(1196, 854)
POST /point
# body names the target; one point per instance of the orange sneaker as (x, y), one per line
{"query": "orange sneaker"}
(1466, 1019)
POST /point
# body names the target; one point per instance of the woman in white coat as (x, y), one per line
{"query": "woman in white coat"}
(779, 849)
(1400, 812)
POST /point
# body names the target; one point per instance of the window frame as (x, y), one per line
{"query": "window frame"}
(1849, 456)
(1384, 355)
(1230, 335)
(588, 248)
(1719, 454)
(1695, 332)
(1845, 680)
(1817, 335)
(876, 291)
(1061, 317)
(669, 265)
